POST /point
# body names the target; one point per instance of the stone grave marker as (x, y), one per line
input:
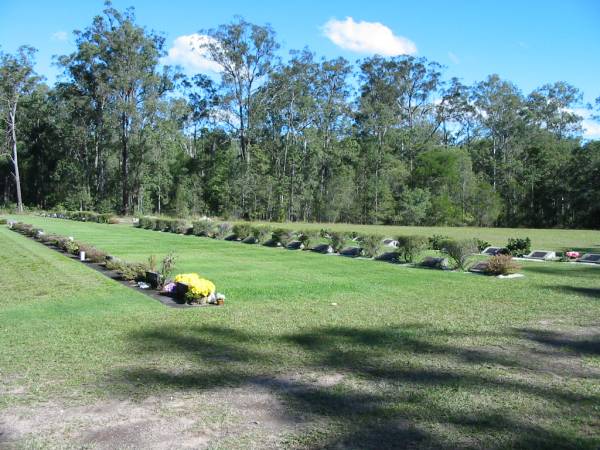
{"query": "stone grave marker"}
(542, 255)
(322, 248)
(590, 258)
(480, 267)
(353, 252)
(491, 251)
(295, 245)
(390, 242)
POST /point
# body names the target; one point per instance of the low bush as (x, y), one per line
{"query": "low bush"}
(337, 240)
(203, 227)
(133, 271)
(435, 241)
(282, 236)
(410, 247)
(501, 265)
(3, 221)
(261, 233)
(242, 230)
(371, 244)
(162, 224)
(92, 253)
(306, 237)
(178, 226)
(482, 245)
(222, 230)
(460, 251)
(519, 246)
(107, 218)
(147, 222)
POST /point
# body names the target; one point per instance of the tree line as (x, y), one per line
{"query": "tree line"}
(387, 140)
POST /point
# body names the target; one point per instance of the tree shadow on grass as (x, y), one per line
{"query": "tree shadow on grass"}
(584, 344)
(402, 386)
(583, 291)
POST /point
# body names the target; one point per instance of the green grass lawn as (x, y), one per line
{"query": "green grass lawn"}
(350, 353)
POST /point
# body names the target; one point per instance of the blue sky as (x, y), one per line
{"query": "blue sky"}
(527, 42)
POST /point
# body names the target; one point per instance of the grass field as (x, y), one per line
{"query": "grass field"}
(311, 351)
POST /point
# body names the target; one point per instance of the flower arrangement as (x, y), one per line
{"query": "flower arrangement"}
(572, 254)
(198, 289)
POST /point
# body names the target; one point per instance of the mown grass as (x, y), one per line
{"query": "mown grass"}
(427, 358)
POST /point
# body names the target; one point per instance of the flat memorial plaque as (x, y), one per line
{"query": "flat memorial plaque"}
(491, 251)
(590, 258)
(479, 267)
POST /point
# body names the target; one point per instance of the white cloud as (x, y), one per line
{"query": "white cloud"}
(60, 36)
(367, 37)
(187, 52)
(453, 58)
(591, 129)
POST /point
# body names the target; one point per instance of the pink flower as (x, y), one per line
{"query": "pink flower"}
(573, 254)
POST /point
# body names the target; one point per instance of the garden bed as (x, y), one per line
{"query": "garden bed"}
(165, 299)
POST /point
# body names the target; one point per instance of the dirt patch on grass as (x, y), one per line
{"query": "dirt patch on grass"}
(192, 421)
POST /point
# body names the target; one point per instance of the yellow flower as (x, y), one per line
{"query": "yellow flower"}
(197, 287)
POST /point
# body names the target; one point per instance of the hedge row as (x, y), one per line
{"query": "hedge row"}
(402, 248)
(132, 271)
(84, 216)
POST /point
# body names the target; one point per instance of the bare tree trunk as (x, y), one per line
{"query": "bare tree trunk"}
(15, 157)
(125, 165)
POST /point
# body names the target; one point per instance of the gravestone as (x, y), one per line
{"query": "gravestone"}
(231, 237)
(271, 243)
(353, 252)
(322, 248)
(388, 257)
(541, 255)
(295, 245)
(480, 267)
(590, 258)
(491, 251)
(433, 262)
(390, 242)
(250, 240)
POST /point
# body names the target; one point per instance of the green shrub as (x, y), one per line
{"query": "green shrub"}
(242, 230)
(409, 247)
(482, 245)
(460, 251)
(501, 265)
(222, 230)
(92, 253)
(519, 246)
(167, 265)
(282, 236)
(178, 226)
(107, 218)
(133, 271)
(306, 237)
(162, 224)
(204, 227)
(371, 244)
(261, 233)
(147, 222)
(337, 239)
(435, 241)
(3, 221)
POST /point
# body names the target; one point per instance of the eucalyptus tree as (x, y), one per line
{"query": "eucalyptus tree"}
(115, 68)
(552, 108)
(17, 79)
(245, 52)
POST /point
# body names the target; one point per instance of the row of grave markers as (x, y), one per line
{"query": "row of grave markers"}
(545, 255)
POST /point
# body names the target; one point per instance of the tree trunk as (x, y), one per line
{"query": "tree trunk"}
(15, 157)
(125, 165)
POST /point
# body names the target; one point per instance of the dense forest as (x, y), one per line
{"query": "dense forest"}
(387, 140)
